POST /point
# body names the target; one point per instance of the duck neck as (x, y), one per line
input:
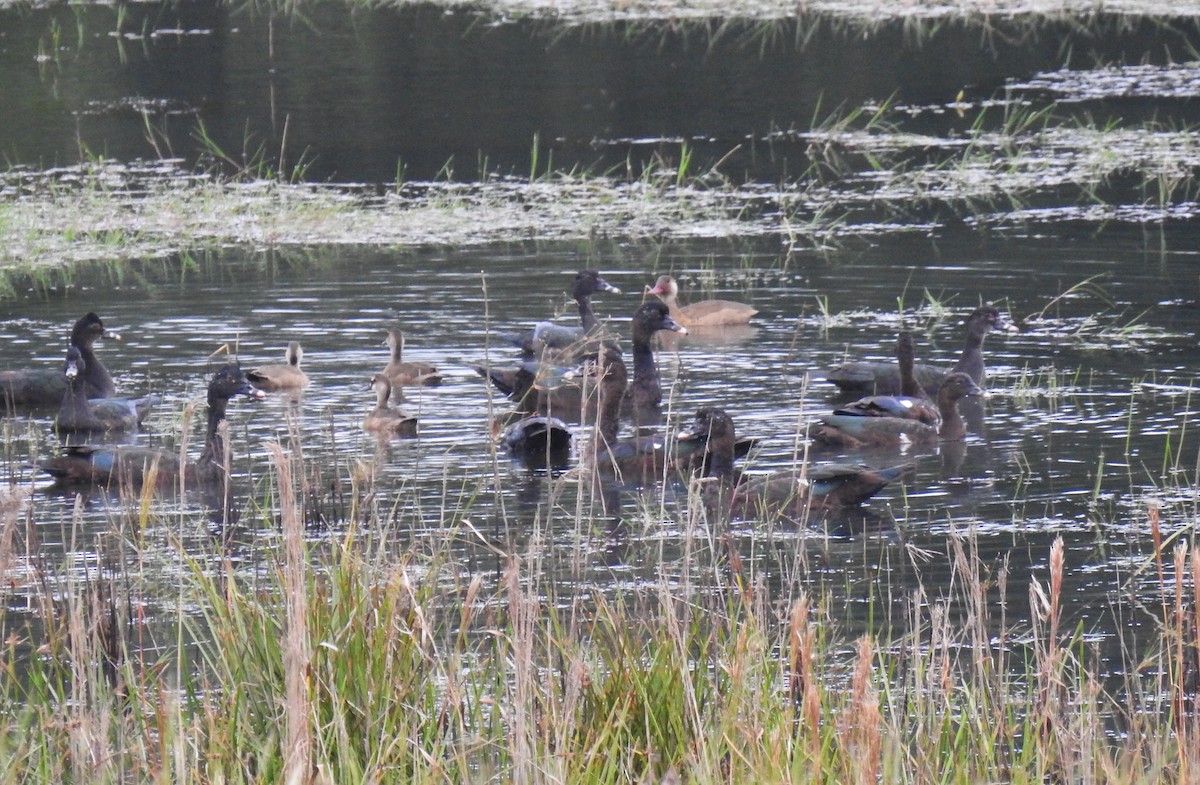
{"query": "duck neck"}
(645, 370)
(608, 412)
(720, 463)
(718, 492)
(975, 335)
(397, 352)
(971, 360)
(671, 300)
(75, 401)
(908, 377)
(95, 375)
(608, 418)
(586, 317)
(953, 428)
(214, 442)
(382, 394)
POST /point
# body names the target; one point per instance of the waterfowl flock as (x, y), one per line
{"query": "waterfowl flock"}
(567, 383)
(586, 379)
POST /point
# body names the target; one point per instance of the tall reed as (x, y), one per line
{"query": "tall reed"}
(355, 659)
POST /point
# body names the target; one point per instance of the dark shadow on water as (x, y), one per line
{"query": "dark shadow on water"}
(383, 94)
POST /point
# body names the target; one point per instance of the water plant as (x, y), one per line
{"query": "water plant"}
(357, 658)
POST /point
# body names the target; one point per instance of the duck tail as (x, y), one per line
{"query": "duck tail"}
(895, 472)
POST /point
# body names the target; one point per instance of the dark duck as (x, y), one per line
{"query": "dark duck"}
(638, 459)
(134, 466)
(793, 494)
(644, 394)
(542, 389)
(79, 413)
(46, 386)
(547, 344)
(880, 378)
(855, 431)
(910, 404)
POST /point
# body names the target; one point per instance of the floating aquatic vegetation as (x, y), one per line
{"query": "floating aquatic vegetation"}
(1104, 332)
(107, 210)
(877, 183)
(139, 105)
(869, 14)
(1176, 80)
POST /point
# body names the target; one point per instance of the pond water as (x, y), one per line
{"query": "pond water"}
(425, 93)
(1088, 420)
(1086, 404)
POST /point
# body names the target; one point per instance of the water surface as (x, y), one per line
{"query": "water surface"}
(1086, 404)
(1088, 420)
(424, 93)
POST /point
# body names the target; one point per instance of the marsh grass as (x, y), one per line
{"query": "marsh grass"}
(368, 654)
(755, 25)
(863, 178)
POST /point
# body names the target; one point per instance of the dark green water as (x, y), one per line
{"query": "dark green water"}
(364, 96)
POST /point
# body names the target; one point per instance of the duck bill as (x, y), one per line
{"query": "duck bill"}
(674, 326)
(605, 286)
(656, 289)
(71, 370)
(111, 335)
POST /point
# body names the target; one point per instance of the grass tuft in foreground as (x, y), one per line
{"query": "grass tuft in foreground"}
(348, 662)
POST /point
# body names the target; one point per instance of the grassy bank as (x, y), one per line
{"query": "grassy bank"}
(352, 661)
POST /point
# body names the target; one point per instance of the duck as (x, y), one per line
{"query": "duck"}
(80, 413)
(547, 344)
(630, 460)
(790, 494)
(910, 404)
(280, 377)
(47, 386)
(547, 389)
(383, 420)
(643, 397)
(135, 466)
(516, 383)
(547, 335)
(705, 313)
(643, 458)
(539, 437)
(855, 431)
(878, 378)
(407, 374)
